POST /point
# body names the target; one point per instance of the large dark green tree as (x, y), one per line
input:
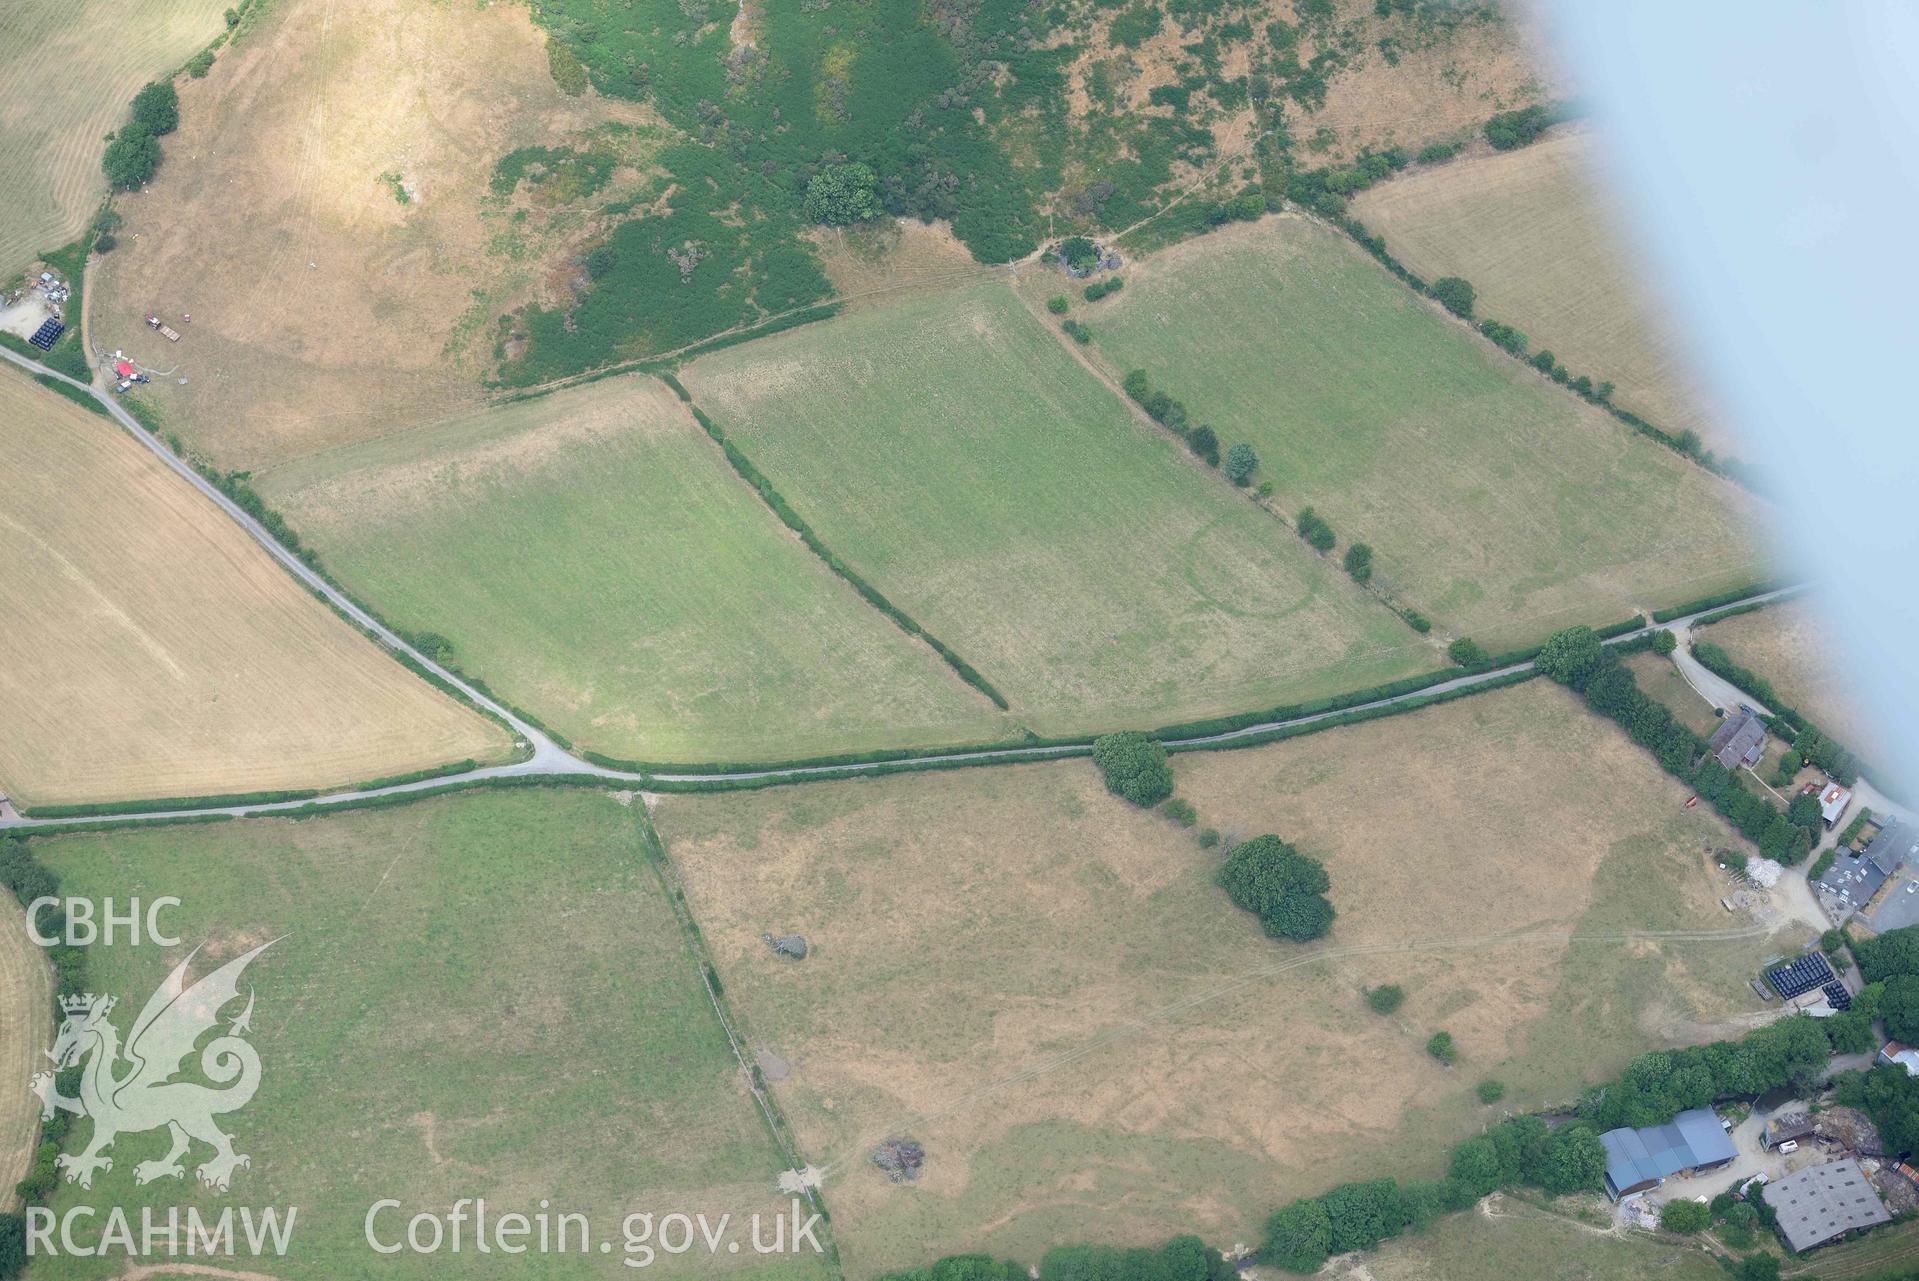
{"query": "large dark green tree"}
(1134, 766)
(840, 195)
(156, 108)
(1282, 887)
(131, 158)
(1572, 656)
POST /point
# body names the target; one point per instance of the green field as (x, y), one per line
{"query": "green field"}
(1498, 504)
(483, 995)
(593, 558)
(964, 463)
(1044, 987)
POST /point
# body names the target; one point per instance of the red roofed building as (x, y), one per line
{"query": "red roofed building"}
(124, 369)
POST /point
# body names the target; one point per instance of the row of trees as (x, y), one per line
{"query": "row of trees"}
(1577, 659)
(133, 151)
(1184, 1258)
(1171, 414)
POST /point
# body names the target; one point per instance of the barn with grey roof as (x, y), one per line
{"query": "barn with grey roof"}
(1824, 1202)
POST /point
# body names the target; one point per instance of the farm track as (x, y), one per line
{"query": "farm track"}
(549, 760)
(28, 983)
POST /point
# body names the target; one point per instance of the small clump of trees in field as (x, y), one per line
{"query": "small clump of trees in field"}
(133, 151)
(1285, 889)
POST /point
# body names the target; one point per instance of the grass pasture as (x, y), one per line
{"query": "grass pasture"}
(1531, 230)
(1043, 986)
(961, 461)
(27, 984)
(1495, 502)
(484, 995)
(593, 557)
(324, 308)
(68, 70)
(154, 650)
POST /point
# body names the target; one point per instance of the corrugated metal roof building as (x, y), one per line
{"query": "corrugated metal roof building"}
(1824, 1202)
(1640, 1159)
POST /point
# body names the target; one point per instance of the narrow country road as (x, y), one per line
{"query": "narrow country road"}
(548, 759)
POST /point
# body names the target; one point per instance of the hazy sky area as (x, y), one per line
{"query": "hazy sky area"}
(1768, 156)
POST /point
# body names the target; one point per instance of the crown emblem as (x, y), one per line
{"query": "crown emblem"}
(86, 1002)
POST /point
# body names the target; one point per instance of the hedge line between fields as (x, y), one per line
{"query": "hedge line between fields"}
(1513, 343)
(1720, 598)
(792, 520)
(160, 805)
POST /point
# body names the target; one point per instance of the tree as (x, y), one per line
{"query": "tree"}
(1282, 887)
(1442, 1048)
(1664, 642)
(1757, 1267)
(1575, 1161)
(200, 63)
(1057, 304)
(1899, 1007)
(1079, 253)
(1466, 652)
(1572, 656)
(1134, 767)
(1385, 998)
(1204, 443)
(842, 194)
(1314, 530)
(156, 108)
(1804, 811)
(1490, 1091)
(1359, 562)
(1299, 1237)
(1241, 463)
(131, 158)
(1479, 1167)
(1364, 1214)
(1181, 812)
(1455, 295)
(1680, 1215)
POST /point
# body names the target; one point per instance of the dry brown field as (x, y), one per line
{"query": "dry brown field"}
(324, 309)
(68, 71)
(26, 982)
(1533, 231)
(1660, 678)
(154, 650)
(1794, 649)
(1043, 986)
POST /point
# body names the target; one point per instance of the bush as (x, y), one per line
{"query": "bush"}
(1079, 253)
(1299, 1237)
(1208, 837)
(1490, 1091)
(200, 63)
(1442, 1048)
(1095, 292)
(1181, 812)
(1664, 642)
(1359, 562)
(1385, 998)
(1317, 533)
(1506, 336)
(1134, 767)
(1510, 129)
(1680, 1215)
(156, 108)
(1466, 652)
(1241, 463)
(1435, 152)
(1057, 304)
(1456, 295)
(1282, 887)
(1077, 332)
(841, 195)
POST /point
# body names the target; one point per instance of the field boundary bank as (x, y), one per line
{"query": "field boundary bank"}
(771, 1114)
(551, 767)
(776, 503)
(550, 758)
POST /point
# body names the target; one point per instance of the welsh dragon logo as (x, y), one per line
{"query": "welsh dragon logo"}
(129, 1090)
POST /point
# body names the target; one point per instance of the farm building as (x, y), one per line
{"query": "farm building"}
(1787, 1127)
(1833, 804)
(1824, 1202)
(1639, 1159)
(1895, 1054)
(1740, 742)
